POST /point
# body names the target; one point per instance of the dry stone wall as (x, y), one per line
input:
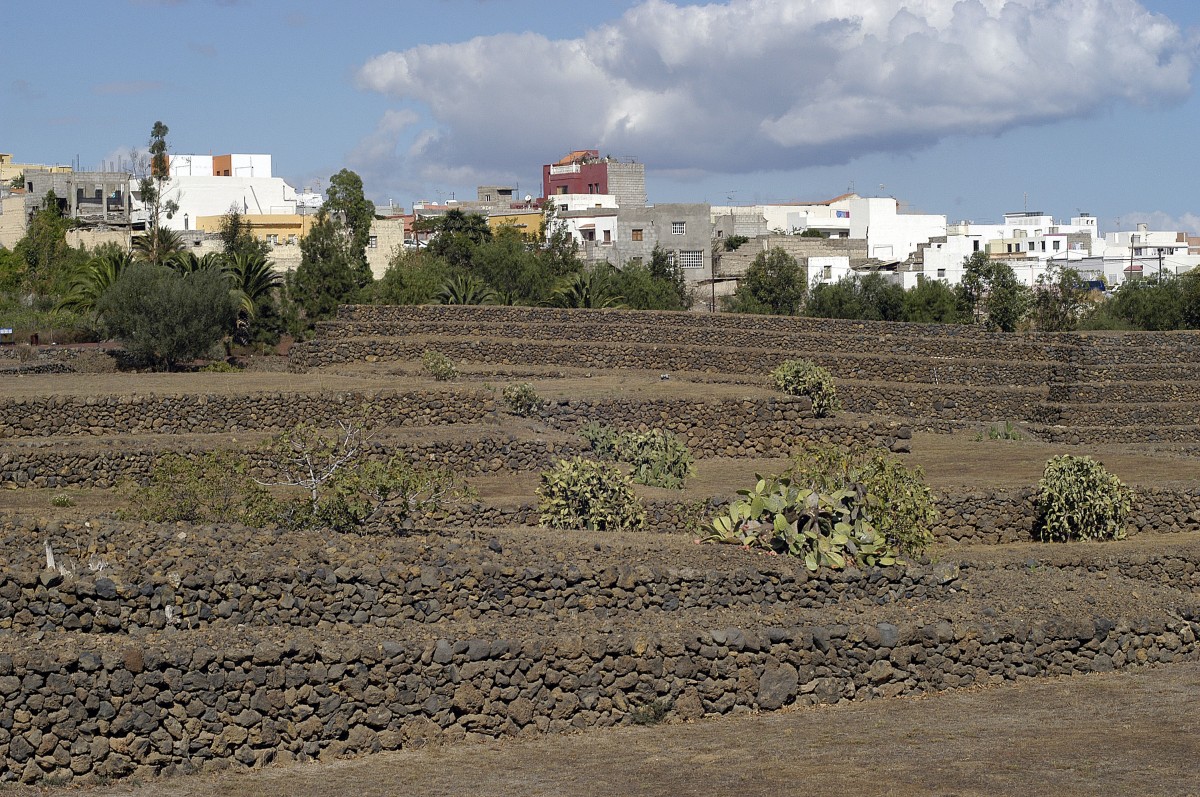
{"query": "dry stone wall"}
(76, 706)
(48, 416)
(884, 366)
(1083, 387)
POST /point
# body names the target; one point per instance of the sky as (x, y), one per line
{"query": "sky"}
(968, 108)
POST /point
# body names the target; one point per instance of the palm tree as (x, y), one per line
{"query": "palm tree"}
(467, 289)
(157, 245)
(252, 278)
(90, 283)
(185, 262)
(585, 289)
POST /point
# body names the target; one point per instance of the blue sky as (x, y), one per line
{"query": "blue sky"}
(963, 108)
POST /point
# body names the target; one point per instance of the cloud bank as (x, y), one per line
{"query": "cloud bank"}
(751, 85)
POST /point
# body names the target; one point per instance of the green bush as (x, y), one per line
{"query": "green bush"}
(393, 491)
(835, 507)
(1079, 499)
(823, 529)
(521, 399)
(805, 378)
(1007, 432)
(163, 318)
(343, 487)
(601, 439)
(581, 493)
(221, 367)
(658, 458)
(439, 366)
(213, 487)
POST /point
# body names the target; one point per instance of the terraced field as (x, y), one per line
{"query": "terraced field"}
(197, 648)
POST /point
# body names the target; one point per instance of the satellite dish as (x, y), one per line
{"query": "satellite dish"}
(528, 198)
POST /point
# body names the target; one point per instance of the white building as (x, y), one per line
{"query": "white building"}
(234, 165)
(890, 234)
(1030, 242)
(216, 196)
(591, 219)
(828, 269)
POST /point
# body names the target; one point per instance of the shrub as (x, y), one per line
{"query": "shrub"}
(163, 318)
(835, 507)
(344, 489)
(521, 399)
(393, 491)
(221, 367)
(658, 458)
(62, 500)
(602, 439)
(823, 529)
(1079, 499)
(439, 366)
(213, 487)
(581, 493)
(1007, 432)
(805, 378)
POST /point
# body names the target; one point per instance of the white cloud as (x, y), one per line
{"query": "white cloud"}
(748, 85)
(1161, 221)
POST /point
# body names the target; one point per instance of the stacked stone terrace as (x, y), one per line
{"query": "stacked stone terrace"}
(153, 649)
(1076, 388)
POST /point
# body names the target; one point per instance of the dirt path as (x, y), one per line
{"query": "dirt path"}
(1118, 734)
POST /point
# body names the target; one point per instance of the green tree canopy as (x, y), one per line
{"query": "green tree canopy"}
(774, 284)
(512, 268)
(869, 297)
(930, 302)
(411, 278)
(163, 318)
(458, 236)
(347, 204)
(330, 271)
(991, 292)
(43, 261)
(237, 236)
(1058, 299)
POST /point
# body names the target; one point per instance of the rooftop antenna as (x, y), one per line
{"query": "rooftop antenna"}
(1026, 201)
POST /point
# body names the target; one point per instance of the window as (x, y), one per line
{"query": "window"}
(976, 245)
(589, 235)
(827, 272)
(636, 235)
(273, 239)
(941, 273)
(672, 257)
(1056, 243)
(691, 259)
(678, 228)
(608, 236)
(373, 242)
(292, 239)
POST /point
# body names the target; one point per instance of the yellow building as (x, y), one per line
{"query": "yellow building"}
(277, 229)
(9, 170)
(528, 222)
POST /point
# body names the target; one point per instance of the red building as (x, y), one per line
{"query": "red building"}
(581, 172)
